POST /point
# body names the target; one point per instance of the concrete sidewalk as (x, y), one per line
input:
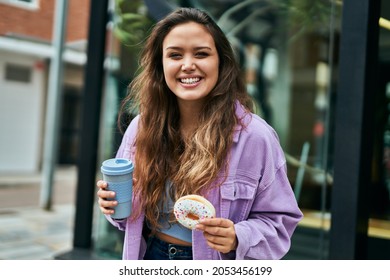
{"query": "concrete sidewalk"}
(28, 232)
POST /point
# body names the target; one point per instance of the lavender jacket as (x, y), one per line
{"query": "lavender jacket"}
(256, 196)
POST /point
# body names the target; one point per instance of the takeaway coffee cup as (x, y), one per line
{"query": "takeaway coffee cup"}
(118, 173)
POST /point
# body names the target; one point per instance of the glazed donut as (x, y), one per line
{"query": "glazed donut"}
(189, 209)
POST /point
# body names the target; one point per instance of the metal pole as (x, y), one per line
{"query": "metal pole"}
(354, 130)
(92, 95)
(53, 107)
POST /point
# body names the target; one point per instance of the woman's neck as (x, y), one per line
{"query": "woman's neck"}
(189, 116)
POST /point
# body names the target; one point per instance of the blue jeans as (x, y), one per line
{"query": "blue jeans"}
(160, 250)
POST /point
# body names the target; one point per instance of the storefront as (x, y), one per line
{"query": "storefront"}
(317, 71)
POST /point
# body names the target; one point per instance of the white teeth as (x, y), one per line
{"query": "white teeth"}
(190, 80)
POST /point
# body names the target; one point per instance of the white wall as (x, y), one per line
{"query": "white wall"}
(21, 117)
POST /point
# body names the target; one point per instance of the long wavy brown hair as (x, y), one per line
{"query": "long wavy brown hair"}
(162, 155)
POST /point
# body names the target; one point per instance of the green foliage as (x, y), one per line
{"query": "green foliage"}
(132, 24)
(308, 15)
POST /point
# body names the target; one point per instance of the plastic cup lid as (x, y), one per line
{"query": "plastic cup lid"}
(117, 166)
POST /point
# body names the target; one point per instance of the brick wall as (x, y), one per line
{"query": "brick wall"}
(38, 23)
(78, 20)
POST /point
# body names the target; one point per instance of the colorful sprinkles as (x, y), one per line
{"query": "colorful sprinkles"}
(188, 212)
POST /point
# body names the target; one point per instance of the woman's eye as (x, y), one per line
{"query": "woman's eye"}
(174, 55)
(202, 54)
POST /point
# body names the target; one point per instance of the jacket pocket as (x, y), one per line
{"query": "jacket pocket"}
(237, 198)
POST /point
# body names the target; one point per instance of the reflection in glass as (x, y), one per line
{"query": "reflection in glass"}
(287, 51)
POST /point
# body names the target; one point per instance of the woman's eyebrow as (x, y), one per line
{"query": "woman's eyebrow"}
(180, 48)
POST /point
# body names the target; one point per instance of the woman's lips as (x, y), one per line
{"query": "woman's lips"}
(190, 82)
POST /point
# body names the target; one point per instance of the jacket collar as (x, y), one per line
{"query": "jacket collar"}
(242, 115)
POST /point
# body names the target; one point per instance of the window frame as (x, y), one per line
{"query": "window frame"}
(32, 5)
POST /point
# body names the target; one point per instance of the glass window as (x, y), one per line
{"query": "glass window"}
(29, 4)
(288, 56)
(379, 229)
(288, 51)
(18, 73)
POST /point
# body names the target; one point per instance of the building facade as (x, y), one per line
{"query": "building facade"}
(26, 35)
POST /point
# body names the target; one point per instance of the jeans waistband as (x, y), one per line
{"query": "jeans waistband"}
(163, 250)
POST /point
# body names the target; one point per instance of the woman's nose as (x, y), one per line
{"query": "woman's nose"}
(188, 65)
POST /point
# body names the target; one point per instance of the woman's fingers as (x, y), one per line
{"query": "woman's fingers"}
(219, 233)
(101, 184)
(102, 192)
(105, 204)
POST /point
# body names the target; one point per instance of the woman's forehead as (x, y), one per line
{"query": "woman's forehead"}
(188, 33)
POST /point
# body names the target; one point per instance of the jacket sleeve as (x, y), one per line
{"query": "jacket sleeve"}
(271, 213)
(271, 222)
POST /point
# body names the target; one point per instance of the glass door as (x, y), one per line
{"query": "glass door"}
(288, 53)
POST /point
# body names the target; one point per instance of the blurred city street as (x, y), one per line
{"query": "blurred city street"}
(27, 231)
(315, 71)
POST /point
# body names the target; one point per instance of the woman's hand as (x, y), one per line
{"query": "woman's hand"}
(219, 233)
(103, 195)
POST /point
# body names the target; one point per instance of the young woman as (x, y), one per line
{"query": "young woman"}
(196, 134)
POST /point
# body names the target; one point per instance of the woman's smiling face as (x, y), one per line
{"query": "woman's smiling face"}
(190, 62)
